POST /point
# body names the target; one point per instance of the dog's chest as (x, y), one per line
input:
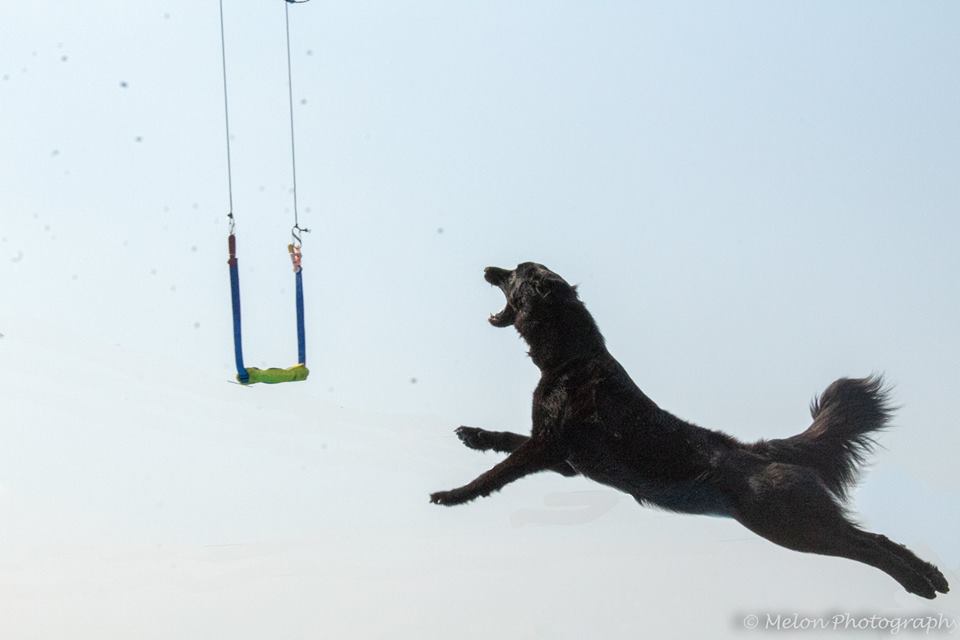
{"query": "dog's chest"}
(560, 402)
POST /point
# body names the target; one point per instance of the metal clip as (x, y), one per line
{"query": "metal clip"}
(295, 234)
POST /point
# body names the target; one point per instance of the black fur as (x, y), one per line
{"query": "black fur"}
(590, 418)
(845, 417)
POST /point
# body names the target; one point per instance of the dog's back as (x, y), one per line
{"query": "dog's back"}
(617, 436)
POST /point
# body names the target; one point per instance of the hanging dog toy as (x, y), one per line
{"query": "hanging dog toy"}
(299, 371)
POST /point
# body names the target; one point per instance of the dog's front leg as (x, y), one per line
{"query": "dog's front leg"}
(530, 457)
(486, 440)
(503, 442)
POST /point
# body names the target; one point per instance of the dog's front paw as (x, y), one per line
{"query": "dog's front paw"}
(473, 438)
(449, 498)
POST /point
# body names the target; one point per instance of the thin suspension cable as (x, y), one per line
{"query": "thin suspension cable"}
(226, 116)
(293, 148)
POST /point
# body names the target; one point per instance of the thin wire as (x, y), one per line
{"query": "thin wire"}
(226, 117)
(293, 149)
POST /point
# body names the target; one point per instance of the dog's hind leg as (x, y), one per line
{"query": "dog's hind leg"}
(789, 505)
(530, 457)
(900, 552)
(502, 442)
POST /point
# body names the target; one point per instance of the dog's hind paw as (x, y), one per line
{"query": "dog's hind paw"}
(473, 438)
(921, 587)
(937, 579)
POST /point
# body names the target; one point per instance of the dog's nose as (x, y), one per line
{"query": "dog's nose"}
(495, 275)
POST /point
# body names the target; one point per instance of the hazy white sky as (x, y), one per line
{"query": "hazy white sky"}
(755, 198)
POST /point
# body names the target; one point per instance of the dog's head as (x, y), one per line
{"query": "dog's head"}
(532, 291)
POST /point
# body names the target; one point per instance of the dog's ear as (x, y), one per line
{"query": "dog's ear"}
(543, 288)
(548, 287)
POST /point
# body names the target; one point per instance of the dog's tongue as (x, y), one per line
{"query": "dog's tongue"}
(505, 318)
(499, 277)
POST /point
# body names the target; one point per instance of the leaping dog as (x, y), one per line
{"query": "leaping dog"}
(589, 418)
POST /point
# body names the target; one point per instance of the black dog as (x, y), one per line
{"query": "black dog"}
(590, 418)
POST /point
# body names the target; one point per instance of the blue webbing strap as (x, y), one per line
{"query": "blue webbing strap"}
(242, 374)
(301, 332)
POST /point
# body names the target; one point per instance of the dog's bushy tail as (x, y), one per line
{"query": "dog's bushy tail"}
(845, 418)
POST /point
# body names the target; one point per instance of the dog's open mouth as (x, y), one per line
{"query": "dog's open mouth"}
(501, 278)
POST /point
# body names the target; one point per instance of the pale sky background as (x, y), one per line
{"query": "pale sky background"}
(756, 198)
